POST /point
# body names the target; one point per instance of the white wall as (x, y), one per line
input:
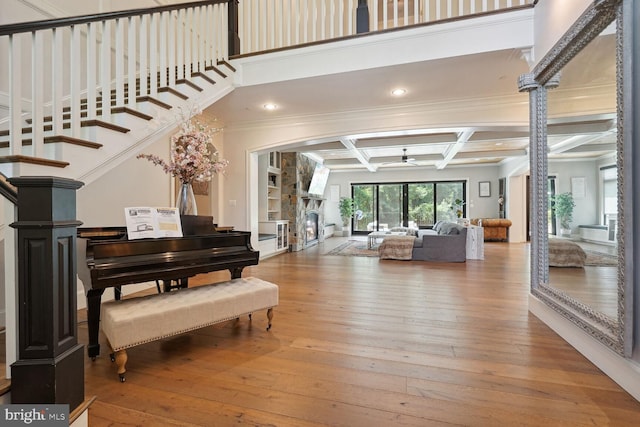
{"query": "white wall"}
(136, 182)
(586, 209)
(552, 18)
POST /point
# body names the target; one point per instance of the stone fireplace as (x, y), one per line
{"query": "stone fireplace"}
(311, 227)
(305, 213)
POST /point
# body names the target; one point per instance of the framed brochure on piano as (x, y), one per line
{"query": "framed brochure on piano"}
(147, 222)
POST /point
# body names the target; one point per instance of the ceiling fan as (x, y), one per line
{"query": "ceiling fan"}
(404, 160)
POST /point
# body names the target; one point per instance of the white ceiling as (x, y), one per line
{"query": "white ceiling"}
(575, 132)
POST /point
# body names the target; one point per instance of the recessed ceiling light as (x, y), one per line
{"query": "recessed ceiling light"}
(270, 106)
(398, 92)
(498, 143)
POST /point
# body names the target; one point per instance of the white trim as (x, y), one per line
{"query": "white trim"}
(625, 372)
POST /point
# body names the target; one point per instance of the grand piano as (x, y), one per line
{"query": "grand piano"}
(107, 259)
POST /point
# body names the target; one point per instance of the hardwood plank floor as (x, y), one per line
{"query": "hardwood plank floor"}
(361, 342)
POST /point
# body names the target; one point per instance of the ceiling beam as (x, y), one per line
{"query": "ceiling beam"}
(362, 158)
(463, 137)
(574, 141)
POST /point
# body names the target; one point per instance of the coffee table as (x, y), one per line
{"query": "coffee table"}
(374, 236)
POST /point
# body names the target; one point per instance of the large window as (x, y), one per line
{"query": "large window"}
(609, 202)
(381, 206)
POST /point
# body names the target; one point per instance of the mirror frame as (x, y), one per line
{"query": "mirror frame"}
(614, 333)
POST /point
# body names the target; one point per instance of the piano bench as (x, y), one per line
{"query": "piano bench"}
(130, 322)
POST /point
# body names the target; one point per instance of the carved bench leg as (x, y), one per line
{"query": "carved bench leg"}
(121, 361)
(270, 317)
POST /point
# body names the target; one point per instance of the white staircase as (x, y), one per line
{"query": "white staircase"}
(71, 113)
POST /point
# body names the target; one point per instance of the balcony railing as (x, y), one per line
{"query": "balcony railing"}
(275, 24)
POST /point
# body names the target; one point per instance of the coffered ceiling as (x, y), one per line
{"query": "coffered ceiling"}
(486, 77)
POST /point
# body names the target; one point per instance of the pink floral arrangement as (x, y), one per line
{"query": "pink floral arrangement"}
(192, 158)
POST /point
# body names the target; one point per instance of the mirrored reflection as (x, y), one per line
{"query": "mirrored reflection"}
(582, 182)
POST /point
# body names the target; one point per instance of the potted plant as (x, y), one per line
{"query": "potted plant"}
(563, 205)
(346, 212)
(456, 207)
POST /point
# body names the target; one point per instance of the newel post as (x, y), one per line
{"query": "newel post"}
(362, 17)
(50, 365)
(232, 33)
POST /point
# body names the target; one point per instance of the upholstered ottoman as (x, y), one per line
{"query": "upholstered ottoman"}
(135, 321)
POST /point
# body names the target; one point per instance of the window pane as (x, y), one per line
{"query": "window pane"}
(365, 207)
(390, 205)
(446, 194)
(421, 210)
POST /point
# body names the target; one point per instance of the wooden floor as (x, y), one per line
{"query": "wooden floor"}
(361, 342)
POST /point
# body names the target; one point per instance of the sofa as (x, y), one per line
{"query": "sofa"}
(495, 229)
(445, 242)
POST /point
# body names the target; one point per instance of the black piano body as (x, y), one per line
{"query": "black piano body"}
(107, 259)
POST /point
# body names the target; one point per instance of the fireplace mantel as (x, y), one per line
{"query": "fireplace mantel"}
(312, 203)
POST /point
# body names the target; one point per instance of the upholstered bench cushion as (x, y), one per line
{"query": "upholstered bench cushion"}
(135, 321)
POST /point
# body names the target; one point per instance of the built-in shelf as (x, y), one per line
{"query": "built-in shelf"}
(270, 192)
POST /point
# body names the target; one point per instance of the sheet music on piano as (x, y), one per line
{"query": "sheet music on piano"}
(148, 222)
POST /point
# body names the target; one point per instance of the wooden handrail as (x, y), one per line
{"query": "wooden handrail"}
(24, 27)
(7, 190)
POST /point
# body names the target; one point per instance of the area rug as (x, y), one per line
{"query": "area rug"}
(599, 259)
(354, 248)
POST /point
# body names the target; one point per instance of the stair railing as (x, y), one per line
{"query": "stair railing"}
(62, 72)
(276, 24)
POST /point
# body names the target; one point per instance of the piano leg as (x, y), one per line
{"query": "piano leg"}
(236, 272)
(94, 298)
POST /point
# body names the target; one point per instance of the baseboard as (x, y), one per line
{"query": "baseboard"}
(625, 372)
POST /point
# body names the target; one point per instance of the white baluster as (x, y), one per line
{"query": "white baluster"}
(395, 14)
(131, 62)
(164, 48)
(153, 55)
(472, 7)
(143, 74)
(385, 15)
(37, 98)
(105, 69)
(75, 65)
(57, 79)
(223, 23)
(484, 6)
(373, 8)
(171, 50)
(211, 24)
(205, 40)
(119, 66)
(187, 31)
(449, 9)
(416, 12)
(15, 95)
(179, 55)
(92, 84)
